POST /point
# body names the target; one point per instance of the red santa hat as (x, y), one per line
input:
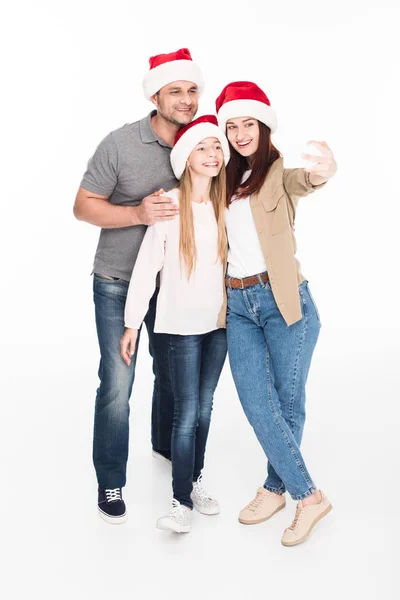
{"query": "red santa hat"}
(166, 68)
(189, 136)
(244, 99)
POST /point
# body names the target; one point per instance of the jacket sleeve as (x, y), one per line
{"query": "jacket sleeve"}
(149, 262)
(297, 183)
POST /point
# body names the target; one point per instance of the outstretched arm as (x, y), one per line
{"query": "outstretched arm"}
(301, 182)
(326, 165)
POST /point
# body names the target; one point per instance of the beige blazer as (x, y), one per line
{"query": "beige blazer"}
(274, 213)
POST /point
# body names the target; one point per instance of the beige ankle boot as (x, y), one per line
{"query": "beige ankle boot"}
(262, 507)
(305, 519)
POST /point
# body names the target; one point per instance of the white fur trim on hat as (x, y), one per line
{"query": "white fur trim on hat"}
(189, 140)
(247, 108)
(175, 70)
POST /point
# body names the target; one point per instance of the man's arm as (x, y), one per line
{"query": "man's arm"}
(98, 184)
(149, 262)
(95, 209)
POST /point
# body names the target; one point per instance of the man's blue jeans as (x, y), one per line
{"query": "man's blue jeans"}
(196, 363)
(270, 363)
(111, 422)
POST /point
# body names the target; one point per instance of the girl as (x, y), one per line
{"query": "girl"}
(272, 321)
(190, 253)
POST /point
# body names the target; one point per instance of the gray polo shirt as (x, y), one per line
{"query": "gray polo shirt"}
(128, 165)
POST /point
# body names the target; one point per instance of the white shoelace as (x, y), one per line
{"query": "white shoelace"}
(112, 495)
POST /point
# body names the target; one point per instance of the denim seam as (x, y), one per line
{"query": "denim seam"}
(157, 390)
(296, 367)
(278, 422)
(256, 304)
(99, 374)
(171, 368)
(314, 303)
(114, 478)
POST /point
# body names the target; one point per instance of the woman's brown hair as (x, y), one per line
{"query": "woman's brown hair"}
(187, 242)
(265, 155)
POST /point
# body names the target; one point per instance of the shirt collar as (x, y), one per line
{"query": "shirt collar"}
(146, 131)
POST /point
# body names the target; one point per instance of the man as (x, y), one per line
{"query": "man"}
(116, 195)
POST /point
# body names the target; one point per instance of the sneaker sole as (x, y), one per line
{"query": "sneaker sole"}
(161, 457)
(113, 520)
(303, 539)
(170, 526)
(205, 511)
(257, 521)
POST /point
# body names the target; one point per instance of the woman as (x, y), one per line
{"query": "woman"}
(190, 252)
(272, 321)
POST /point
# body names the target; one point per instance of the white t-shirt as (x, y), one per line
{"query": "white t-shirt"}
(245, 257)
(184, 307)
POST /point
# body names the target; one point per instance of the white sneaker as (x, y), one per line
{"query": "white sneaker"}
(179, 519)
(202, 501)
(161, 457)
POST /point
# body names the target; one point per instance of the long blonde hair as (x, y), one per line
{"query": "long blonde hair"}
(187, 243)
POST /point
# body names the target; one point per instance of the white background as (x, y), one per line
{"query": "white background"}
(71, 73)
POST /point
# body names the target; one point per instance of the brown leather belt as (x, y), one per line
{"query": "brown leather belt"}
(235, 283)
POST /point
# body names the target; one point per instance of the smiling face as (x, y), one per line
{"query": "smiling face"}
(243, 133)
(206, 158)
(177, 102)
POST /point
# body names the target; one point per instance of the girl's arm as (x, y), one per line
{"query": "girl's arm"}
(142, 285)
(149, 262)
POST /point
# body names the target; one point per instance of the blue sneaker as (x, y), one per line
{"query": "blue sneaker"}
(111, 506)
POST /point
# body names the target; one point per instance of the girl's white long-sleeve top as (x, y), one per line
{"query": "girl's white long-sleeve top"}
(184, 307)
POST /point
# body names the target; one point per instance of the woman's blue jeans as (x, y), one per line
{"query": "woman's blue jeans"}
(270, 363)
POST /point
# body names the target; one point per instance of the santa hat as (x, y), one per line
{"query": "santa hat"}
(166, 68)
(191, 135)
(244, 99)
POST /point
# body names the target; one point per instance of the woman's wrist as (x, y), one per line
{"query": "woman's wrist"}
(315, 180)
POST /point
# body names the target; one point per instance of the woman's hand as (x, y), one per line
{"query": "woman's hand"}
(326, 165)
(128, 344)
